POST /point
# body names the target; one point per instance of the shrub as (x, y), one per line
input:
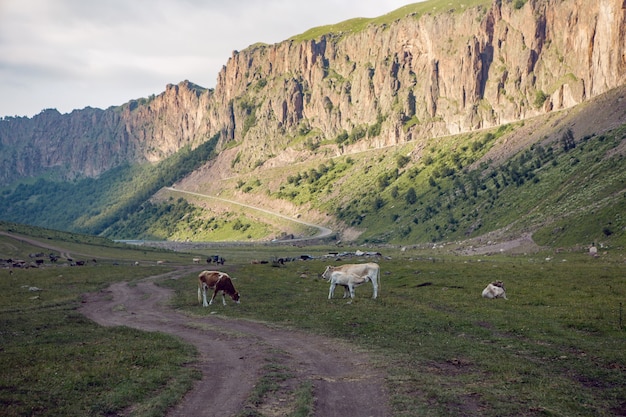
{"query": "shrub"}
(341, 138)
(567, 140)
(411, 196)
(402, 160)
(518, 4)
(540, 98)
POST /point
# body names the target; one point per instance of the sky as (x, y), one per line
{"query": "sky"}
(71, 54)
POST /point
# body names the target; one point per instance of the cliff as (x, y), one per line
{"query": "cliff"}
(90, 141)
(421, 71)
(430, 73)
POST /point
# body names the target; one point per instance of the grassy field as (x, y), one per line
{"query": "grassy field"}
(555, 347)
(55, 362)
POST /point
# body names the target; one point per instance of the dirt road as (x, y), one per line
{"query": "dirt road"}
(323, 232)
(233, 353)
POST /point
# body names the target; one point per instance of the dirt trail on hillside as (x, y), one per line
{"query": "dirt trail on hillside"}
(233, 352)
(323, 232)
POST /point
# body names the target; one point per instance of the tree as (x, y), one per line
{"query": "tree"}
(567, 140)
(402, 160)
(378, 203)
(411, 196)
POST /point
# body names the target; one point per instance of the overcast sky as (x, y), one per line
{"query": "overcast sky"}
(70, 54)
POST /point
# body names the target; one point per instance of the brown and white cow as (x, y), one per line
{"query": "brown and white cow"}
(216, 281)
(352, 275)
(495, 290)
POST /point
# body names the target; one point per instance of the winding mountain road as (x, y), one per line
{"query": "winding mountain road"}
(323, 232)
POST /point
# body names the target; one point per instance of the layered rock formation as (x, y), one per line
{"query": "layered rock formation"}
(418, 72)
(90, 141)
(436, 73)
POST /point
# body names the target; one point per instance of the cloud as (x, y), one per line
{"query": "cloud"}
(69, 54)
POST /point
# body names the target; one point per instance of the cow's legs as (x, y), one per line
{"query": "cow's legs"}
(351, 288)
(204, 303)
(212, 297)
(223, 298)
(375, 284)
(332, 290)
(346, 291)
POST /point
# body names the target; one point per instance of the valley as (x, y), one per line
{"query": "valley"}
(455, 144)
(428, 125)
(296, 351)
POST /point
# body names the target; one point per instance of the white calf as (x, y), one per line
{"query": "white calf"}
(352, 275)
(495, 290)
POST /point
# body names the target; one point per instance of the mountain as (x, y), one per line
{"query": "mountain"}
(88, 142)
(479, 69)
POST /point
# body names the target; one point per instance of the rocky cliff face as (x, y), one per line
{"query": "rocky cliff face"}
(434, 73)
(431, 72)
(90, 141)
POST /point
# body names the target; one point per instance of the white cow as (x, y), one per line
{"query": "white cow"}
(352, 275)
(495, 290)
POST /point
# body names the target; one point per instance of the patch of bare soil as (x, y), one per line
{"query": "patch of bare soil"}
(233, 352)
(491, 243)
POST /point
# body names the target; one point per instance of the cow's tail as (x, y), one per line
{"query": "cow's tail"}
(378, 279)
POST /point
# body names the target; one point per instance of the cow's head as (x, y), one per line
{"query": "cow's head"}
(498, 284)
(328, 272)
(235, 297)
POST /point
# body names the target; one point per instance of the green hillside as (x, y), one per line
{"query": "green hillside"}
(314, 141)
(568, 191)
(565, 189)
(92, 205)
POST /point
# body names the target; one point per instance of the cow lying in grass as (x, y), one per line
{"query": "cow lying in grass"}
(352, 275)
(216, 281)
(495, 290)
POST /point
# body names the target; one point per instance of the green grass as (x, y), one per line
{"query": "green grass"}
(361, 23)
(55, 362)
(276, 379)
(273, 378)
(554, 348)
(570, 198)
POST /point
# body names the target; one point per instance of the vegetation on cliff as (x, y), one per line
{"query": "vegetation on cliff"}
(429, 124)
(91, 205)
